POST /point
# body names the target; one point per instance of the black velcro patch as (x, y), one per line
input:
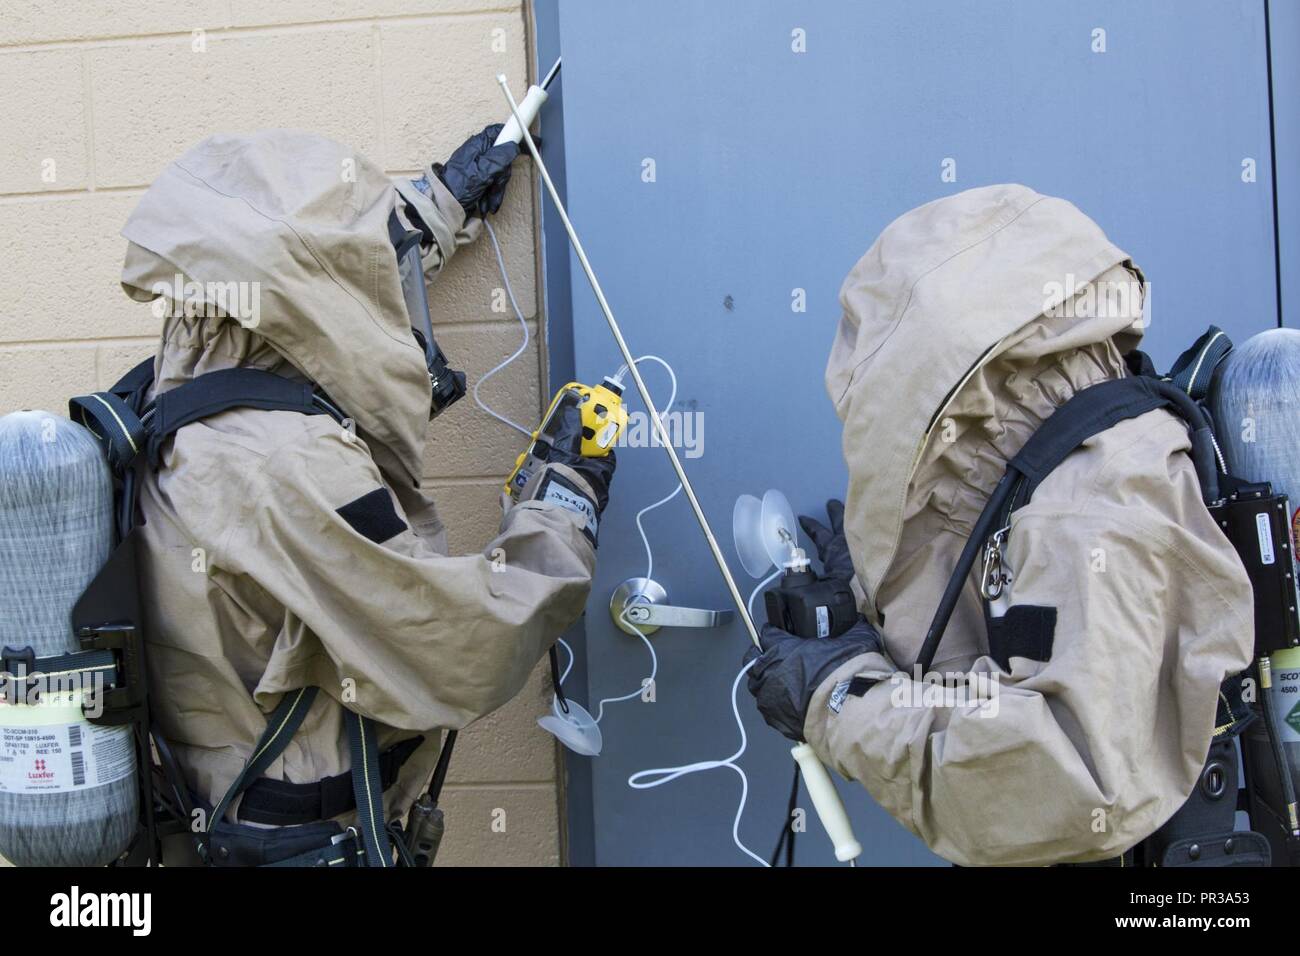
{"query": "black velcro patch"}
(1026, 630)
(373, 516)
(859, 685)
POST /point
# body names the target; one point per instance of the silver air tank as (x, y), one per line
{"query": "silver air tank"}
(1256, 408)
(68, 789)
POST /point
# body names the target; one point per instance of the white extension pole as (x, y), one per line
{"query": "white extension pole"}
(826, 799)
(628, 358)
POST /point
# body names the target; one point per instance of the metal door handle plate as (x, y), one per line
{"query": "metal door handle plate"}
(644, 603)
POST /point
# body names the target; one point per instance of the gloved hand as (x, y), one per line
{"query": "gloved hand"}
(790, 669)
(832, 548)
(477, 172)
(566, 448)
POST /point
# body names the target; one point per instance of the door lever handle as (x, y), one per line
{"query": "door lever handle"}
(641, 605)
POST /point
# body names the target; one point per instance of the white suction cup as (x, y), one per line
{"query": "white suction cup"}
(577, 730)
(764, 531)
(746, 517)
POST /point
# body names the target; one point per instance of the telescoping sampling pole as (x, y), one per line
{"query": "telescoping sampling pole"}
(825, 798)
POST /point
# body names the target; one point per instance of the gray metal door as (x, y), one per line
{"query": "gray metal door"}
(782, 138)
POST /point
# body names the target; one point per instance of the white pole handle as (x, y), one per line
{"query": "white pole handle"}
(528, 110)
(826, 801)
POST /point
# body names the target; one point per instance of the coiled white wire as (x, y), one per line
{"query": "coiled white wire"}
(645, 541)
(643, 779)
(657, 777)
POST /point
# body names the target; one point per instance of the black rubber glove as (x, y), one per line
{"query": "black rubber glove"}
(790, 669)
(477, 172)
(566, 448)
(832, 548)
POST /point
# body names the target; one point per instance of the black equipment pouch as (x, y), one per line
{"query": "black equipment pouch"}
(312, 844)
(803, 603)
(1201, 832)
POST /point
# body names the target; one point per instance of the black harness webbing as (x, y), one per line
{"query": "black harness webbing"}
(368, 790)
(281, 725)
(281, 803)
(1087, 413)
(133, 430)
(374, 849)
(128, 427)
(217, 392)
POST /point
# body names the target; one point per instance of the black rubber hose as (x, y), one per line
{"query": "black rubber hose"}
(440, 771)
(952, 593)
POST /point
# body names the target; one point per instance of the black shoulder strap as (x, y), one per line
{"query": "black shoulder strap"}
(1087, 413)
(221, 391)
(1102, 406)
(127, 424)
(1194, 369)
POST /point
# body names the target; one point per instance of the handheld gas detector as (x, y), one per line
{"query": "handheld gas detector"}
(603, 418)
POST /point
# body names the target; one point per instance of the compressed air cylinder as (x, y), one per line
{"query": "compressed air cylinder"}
(1256, 408)
(68, 789)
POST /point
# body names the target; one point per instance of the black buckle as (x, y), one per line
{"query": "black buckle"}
(124, 702)
(19, 666)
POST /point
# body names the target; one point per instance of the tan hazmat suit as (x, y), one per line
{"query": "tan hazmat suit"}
(965, 325)
(254, 583)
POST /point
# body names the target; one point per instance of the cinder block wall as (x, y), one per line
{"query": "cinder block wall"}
(96, 96)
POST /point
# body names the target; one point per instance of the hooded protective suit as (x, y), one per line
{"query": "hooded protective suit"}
(983, 312)
(257, 577)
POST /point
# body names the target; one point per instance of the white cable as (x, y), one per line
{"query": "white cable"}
(761, 584)
(654, 669)
(568, 650)
(510, 294)
(664, 775)
(650, 558)
(672, 397)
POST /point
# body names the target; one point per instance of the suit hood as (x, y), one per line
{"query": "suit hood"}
(966, 323)
(280, 242)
